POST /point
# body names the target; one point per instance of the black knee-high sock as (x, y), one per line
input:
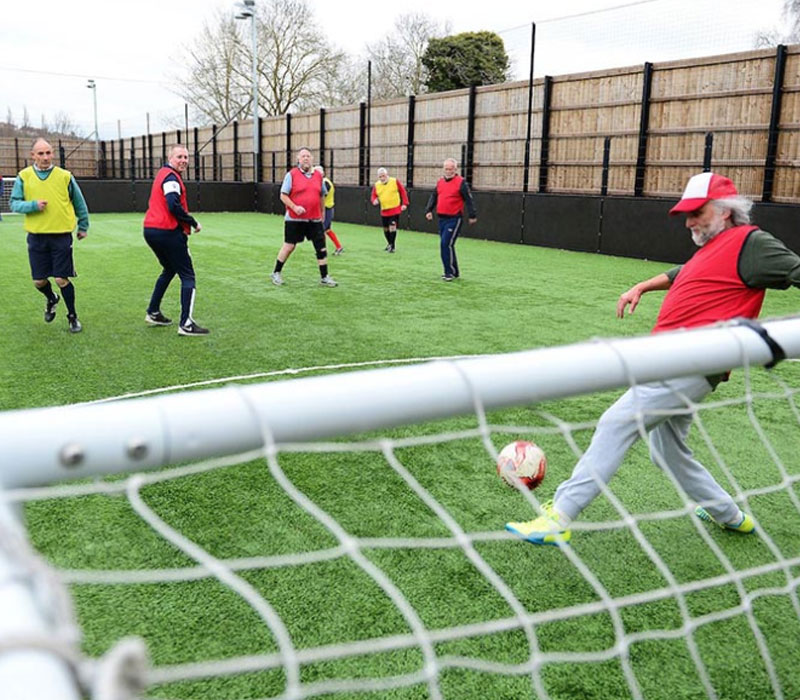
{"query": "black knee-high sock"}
(392, 238)
(68, 293)
(47, 290)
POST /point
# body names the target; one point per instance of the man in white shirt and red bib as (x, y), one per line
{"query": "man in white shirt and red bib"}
(725, 279)
(303, 194)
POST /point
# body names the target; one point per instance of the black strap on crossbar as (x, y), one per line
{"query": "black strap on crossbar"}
(777, 351)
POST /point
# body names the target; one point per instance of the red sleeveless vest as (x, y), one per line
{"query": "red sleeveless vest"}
(708, 288)
(449, 201)
(158, 214)
(306, 192)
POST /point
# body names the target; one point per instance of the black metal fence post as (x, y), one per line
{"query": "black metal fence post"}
(237, 170)
(774, 123)
(362, 133)
(62, 155)
(544, 156)
(274, 169)
(163, 147)
(121, 159)
(102, 167)
(331, 171)
(259, 155)
(644, 125)
(178, 136)
(133, 160)
(707, 152)
(527, 158)
(196, 154)
(214, 168)
(289, 142)
(468, 168)
(322, 137)
(412, 106)
(606, 163)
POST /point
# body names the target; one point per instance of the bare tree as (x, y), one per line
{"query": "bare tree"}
(214, 85)
(26, 118)
(64, 124)
(789, 33)
(397, 67)
(296, 65)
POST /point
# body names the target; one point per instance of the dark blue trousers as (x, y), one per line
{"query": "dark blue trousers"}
(449, 228)
(171, 247)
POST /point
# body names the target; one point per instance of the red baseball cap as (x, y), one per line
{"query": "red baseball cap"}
(703, 188)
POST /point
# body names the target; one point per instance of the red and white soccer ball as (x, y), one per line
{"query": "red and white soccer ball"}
(522, 461)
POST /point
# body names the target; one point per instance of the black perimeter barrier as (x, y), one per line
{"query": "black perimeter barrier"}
(632, 227)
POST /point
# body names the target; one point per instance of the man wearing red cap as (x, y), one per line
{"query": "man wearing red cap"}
(725, 279)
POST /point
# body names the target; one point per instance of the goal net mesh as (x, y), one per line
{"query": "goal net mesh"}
(378, 565)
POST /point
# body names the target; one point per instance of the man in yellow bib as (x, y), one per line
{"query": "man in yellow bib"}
(393, 199)
(53, 204)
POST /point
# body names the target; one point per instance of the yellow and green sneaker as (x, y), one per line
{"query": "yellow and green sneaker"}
(546, 529)
(745, 524)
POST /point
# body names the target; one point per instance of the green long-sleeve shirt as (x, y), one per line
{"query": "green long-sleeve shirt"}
(765, 263)
(20, 206)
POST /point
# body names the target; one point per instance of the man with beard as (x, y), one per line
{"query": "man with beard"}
(725, 279)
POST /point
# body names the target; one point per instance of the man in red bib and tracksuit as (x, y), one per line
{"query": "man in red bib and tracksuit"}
(303, 195)
(449, 197)
(725, 279)
(167, 226)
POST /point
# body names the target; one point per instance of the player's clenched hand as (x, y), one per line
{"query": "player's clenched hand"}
(299, 210)
(631, 297)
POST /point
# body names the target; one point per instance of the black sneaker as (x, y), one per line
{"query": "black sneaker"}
(192, 328)
(74, 324)
(50, 309)
(157, 319)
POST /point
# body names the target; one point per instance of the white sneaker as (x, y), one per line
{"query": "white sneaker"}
(328, 281)
(276, 278)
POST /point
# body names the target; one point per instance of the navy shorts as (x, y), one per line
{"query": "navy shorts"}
(298, 231)
(50, 255)
(389, 220)
(326, 225)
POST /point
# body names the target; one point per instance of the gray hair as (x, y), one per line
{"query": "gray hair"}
(383, 171)
(738, 206)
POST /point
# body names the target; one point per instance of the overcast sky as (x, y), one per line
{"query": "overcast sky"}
(51, 47)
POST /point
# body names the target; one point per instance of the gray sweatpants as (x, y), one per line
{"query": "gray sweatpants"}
(618, 429)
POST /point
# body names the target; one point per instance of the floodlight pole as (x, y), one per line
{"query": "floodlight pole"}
(93, 87)
(247, 11)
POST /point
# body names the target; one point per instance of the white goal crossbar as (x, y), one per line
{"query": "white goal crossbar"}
(43, 446)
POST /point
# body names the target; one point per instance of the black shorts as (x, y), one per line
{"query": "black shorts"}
(389, 220)
(50, 255)
(298, 231)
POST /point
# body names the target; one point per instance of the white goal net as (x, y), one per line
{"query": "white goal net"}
(297, 539)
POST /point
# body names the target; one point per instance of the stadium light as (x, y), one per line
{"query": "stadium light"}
(93, 87)
(247, 10)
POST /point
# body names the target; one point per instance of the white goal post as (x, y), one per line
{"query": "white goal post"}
(98, 439)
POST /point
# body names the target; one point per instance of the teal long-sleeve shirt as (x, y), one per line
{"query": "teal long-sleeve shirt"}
(20, 206)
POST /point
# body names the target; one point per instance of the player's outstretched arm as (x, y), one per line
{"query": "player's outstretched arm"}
(632, 296)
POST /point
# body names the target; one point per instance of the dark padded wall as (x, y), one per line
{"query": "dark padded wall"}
(625, 226)
(104, 196)
(642, 228)
(225, 196)
(562, 221)
(782, 221)
(499, 217)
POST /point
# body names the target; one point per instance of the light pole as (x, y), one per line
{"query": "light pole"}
(247, 10)
(93, 87)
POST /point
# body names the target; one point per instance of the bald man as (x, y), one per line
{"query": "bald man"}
(53, 205)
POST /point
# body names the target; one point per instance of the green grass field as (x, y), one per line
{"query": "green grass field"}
(395, 307)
